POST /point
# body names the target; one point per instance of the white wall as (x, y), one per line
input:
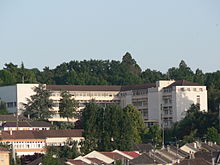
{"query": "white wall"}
(184, 99)
(24, 91)
(61, 140)
(154, 112)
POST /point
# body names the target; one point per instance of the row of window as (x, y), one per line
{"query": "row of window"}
(90, 94)
(139, 92)
(192, 89)
(11, 104)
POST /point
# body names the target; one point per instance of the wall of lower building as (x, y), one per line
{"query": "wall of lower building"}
(8, 94)
(25, 128)
(26, 146)
(52, 141)
(4, 158)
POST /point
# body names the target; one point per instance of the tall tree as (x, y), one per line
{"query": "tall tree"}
(137, 122)
(89, 122)
(67, 106)
(39, 105)
(212, 135)
(3, 108)
(111, 127)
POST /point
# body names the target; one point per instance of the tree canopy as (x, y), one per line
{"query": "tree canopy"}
(39, 105)
(67, 105)
(111, 127)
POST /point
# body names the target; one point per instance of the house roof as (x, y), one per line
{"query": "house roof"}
(12, 118)
(179, 151)
(138, 86)
(160, 158)
(206, 155)
(113, 155)
(131, 153)
(143, 147)
(95, 160)
(83, 88)
(183, 83)
(28, 124)
(211, 148)
(99, 87)
(41, 134)
(76, 162)
(196, 161)
(63, 133)
(168, 154)
(143, 159)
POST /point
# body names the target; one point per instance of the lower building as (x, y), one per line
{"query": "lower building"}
(4, 156)
(35, 141)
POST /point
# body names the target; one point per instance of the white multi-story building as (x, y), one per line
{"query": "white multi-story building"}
(164, 101)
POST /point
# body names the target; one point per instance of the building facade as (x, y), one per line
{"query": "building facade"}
(35, 141)
(165, 101)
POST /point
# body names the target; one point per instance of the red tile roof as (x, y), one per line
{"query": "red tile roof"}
(41, 134)
(131, 153)
(12, 118)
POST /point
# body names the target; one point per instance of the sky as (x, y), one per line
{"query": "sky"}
(157, 33)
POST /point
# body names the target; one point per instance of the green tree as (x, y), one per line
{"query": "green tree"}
(3, 108)
(190, 138)
(6, 78)
(69, 150)
(89, 122)
(111, 127)
(48, 159)
(154, 135)
(212, 135)
(181, 73)
(39, 105)
(137, 122)
(67, 106)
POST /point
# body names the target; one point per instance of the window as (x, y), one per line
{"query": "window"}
(10, 104)
(198, 100)
(182, 89)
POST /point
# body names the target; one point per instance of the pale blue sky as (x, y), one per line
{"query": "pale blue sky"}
(158, 33)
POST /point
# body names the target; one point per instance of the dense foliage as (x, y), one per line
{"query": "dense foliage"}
(39, 105)
(3, 108)
(67, 106)
(105, 72)
(111, 127)
(197, 125)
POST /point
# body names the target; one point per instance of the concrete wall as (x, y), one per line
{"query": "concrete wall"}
(8, 94)
(4, 158)
(184, 99)
(24, 91)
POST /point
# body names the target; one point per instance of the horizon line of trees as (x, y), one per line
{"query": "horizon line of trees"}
(106, 72)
